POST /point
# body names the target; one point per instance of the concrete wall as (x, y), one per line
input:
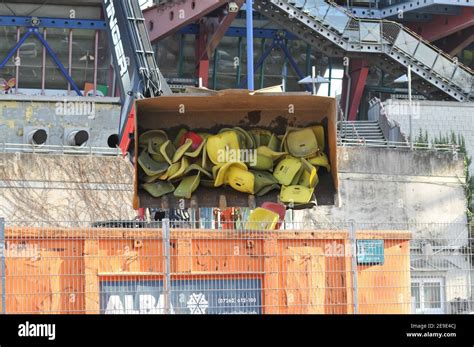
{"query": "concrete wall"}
(44, 188)
(389, 186)
(377, 185)
(436, 117)
(19, 113)
(385, 188)
(420, 191)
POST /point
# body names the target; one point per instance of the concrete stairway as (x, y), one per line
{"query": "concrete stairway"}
(361, 132)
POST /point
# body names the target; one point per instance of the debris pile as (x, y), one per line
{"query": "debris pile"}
(254, 162)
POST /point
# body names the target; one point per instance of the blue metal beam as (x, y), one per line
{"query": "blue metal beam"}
(66, 23)
(193, 29)
(291, 60)
(15, 48)
(35, 31)
(279, 42)
(57, 61)
(249, 27)
(261, 60)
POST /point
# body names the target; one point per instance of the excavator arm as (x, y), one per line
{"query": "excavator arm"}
(135, 66)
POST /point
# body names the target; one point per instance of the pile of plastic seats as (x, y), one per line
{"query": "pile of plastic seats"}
(255, 162)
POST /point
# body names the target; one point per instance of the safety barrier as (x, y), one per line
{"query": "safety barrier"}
(170, 267)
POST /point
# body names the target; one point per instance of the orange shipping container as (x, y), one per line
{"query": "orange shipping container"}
(78, 271)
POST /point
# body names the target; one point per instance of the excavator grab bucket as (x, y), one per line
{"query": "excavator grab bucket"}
(200, 113)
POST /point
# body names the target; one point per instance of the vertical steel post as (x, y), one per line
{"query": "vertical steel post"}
(70, 38)
(308, 60)
(182, 42)
(3, 265)
(214, 69)
(409, 107)
(114, 90)
(17, 66)
(57, 61)
(330, 76)
(262, 68)
(348, 86)
(284, 72)
(239, 64)
(353, 252)
(43, 67)
(167, 267)
(96, 60)
(249, 24)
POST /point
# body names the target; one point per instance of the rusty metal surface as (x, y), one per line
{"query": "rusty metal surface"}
(163, 20)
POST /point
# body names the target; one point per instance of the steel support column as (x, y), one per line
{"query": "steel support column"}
(220, 32)
(96, 61)
(358, 71)
(43, 64)
(279, 42)
(214, 69)
(70, 38)
(202, 59)
(249, 26)
(17, 67)
(182, 41)
(262, 68)
(238, 65)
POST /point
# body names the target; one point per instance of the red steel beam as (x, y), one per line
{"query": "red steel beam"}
(164, 20)
(455, 43)
(441, 26)
(222, 29)
(359, 75)
(202, 59)
(358, 70)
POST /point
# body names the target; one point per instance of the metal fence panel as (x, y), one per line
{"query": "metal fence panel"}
(178, 267)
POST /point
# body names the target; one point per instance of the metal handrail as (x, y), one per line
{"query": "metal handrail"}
(383, 118)
(401, 27)
(57, 149)
(384, 143)
(355, 132)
